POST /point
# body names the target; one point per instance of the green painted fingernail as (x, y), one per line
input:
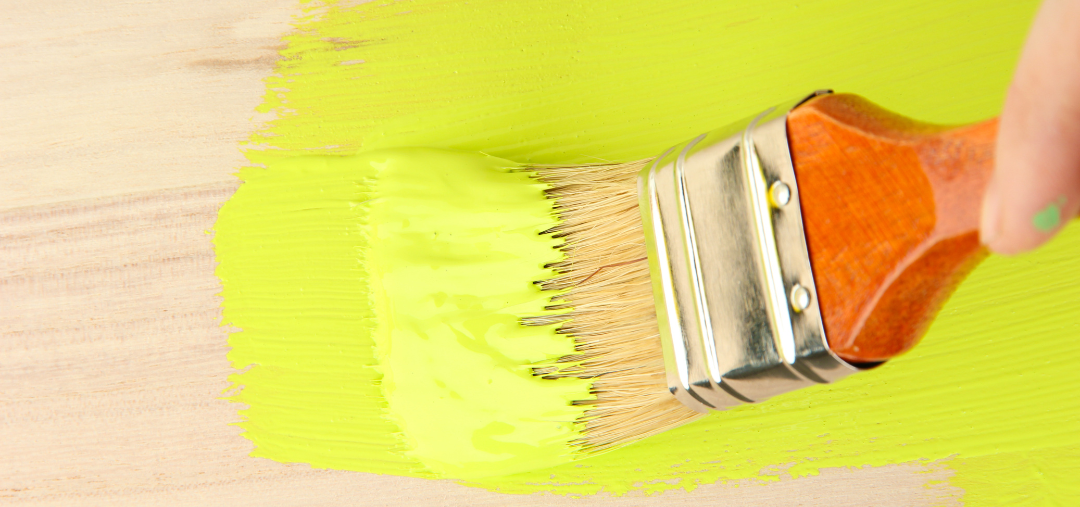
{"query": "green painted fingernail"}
(1050, 216)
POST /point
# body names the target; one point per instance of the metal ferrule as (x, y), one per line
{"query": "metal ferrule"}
(735, 296)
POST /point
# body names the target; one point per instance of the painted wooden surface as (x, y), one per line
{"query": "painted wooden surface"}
(908, 196)
(119, 141)
(122, 130)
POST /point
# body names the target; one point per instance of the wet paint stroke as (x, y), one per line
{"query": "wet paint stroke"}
(989, 393)
(408, 270)
(455, 240)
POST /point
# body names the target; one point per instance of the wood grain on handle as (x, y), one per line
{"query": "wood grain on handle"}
(891, 210)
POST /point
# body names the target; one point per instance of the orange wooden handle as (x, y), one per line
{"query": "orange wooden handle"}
(891, 210)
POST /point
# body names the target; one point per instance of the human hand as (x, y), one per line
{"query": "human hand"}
(1035, 188)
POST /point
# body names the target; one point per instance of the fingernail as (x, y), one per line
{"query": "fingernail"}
(1049, 218)
(990, 222)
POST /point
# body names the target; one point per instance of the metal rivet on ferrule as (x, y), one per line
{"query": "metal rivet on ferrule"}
(779, 194)
(800, 298)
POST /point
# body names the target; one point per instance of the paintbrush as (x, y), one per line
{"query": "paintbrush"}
(808, 243)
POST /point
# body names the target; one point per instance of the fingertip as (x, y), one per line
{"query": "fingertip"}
(1024, 230)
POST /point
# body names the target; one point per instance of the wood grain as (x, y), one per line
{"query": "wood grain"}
(891, 208)
(121, 133)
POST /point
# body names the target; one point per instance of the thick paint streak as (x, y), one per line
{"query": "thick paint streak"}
(453, 242)
(991, 389)
(426, 254)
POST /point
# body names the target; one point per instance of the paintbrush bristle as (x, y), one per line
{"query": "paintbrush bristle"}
(603, 286)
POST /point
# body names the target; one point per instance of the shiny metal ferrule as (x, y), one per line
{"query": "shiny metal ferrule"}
(735, 295)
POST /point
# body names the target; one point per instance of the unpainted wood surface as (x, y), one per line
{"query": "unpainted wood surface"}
(120, 132)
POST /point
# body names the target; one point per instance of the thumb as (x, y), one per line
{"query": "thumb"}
(1035, 188)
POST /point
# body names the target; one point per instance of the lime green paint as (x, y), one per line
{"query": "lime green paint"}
(989, 393)
(454, 240)
(291, 260)
(1050, 217)
(429, 256)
